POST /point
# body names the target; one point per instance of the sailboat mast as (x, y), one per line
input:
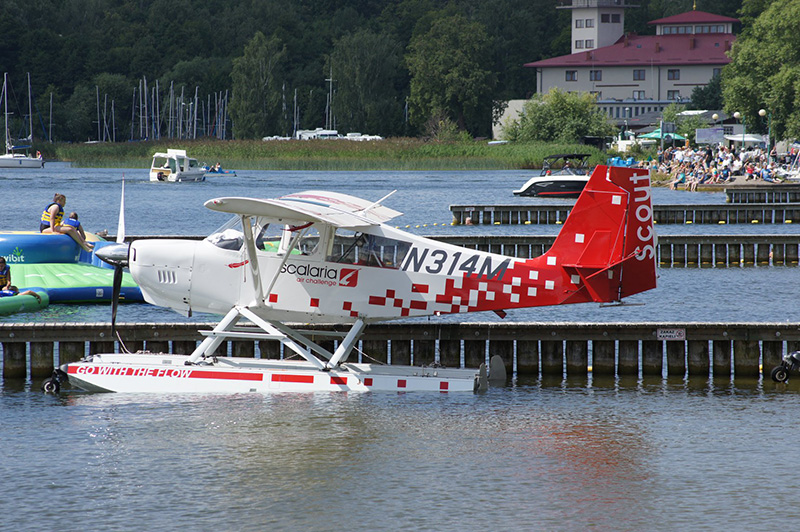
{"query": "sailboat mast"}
(5, 105)
(30, 109)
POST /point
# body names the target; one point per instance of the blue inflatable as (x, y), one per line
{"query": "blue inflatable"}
(58, 265)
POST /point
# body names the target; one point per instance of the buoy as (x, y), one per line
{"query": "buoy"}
(754, 222)
(721, 222)
(527, 222)
(688, 221)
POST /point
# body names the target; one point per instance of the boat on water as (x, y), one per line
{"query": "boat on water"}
(563, 176)
(17, 156)
(175, 166)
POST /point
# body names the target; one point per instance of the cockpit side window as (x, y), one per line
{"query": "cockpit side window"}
(350, 247)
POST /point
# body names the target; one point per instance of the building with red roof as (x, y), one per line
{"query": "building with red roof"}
(637, 74)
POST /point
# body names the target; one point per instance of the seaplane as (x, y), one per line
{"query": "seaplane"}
(324, 257)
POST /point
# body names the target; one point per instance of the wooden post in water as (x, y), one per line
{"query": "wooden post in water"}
(474, 353)
(676, 358)
(183, 347)
(162, 346)
(771, 353)
(270, 349)
(652, 357)
(450, 352)
(577, 356)
(424, 352)
(603, 357)
(41, 359)
(698, 360)
(401, 352)
(528, 357)
(628, 363)
(71, 351)
(721, 359)
(239, 348)
(14, 360)
(746, 355)
(552, 357)
(375, 351)
(104, 346)
(505, 349)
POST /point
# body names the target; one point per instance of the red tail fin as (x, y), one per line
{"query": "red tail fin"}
(608, 240)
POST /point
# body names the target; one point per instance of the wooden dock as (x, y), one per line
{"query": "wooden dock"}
(675, 349)
(764, 193)
(729, 213)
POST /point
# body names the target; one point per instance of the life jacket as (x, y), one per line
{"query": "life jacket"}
(59, 215)
(74, 223)
(4, 275)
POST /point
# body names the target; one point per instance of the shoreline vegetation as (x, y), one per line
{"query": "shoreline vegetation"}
(331, 155)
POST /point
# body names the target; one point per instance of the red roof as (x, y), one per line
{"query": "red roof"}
(695, 17)
(651, 50)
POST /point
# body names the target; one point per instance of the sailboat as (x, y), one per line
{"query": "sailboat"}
(13, 158)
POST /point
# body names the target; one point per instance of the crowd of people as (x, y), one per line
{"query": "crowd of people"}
(690, 167)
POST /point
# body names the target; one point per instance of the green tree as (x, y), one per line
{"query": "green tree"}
(449, 75)
(708, 97)
(765, 71)
(559, 116)
(256, 106)
(367, 68)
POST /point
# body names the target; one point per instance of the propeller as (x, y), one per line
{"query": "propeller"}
(116, 255)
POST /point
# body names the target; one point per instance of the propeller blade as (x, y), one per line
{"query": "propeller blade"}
(121, 221)
(117, 286)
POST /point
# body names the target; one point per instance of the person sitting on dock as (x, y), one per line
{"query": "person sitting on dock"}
(51, 220)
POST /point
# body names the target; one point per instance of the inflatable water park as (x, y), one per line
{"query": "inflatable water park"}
(56, 268)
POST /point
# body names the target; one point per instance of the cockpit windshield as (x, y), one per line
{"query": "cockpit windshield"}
(271, 238)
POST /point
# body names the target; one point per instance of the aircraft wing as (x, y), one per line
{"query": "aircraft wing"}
(339, 210)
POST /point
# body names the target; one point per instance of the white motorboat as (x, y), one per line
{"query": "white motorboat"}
(175, 166)
(562, 176)
(17, 156)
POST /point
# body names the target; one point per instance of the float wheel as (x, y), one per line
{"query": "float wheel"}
(779, 374)
(51, 385)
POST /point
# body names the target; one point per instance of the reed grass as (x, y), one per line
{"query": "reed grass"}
(388, 154)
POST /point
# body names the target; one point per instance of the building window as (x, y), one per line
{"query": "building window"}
(673, 95)
(590, 23)
(615, 18)
(605, 18)
(595, 75)
(579, 44)
(716, 72)
(673, 74)
(572, 75)
(638, 74)
(589, 43)
(579, 23)
(638, 95)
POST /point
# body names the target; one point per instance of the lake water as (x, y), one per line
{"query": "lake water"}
(577, 454)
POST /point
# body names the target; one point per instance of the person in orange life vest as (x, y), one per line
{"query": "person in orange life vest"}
(51, 220)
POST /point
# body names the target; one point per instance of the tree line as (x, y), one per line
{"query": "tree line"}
(392, 67)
